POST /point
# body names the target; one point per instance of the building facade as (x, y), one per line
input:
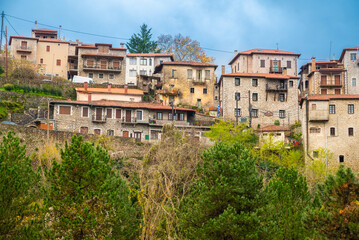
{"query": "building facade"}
(24, 48)
(350, 60)
(187, 83)
(330, 122)
(143, 64)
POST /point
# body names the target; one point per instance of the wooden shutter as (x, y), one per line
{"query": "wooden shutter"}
(337, 91)
(47, 48)
(116, 65)
(84, 130)
(109, 113)
(90, 63)
(324, 91)
(118, 113)
(279, 65)
(103, 64)
(323, 80)
(58, 62)
(65, 110)
(85, 112)
(337, 80)
(24, 45)
(271, 64)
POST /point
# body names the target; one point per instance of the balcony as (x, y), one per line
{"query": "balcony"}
(331, 83)
(277, 88)
(275, 70)
(128, 120)
(99, 118)
(168, 92)
(101, 69)
(199, 81)
(24, 49)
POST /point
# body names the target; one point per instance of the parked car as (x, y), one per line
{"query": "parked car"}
(79, 79)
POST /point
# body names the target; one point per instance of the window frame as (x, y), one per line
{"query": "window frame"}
(139, 113)
(281, 113)
(82, 112)
(205, 90)
(350, 108)
(159, 116)
(256, 113)
(107, 113)
(280, 97)
(353, 56)
(351, 132)
(100, 75)
(331, 108)
(256, 98)
(237, 112)
(237, 96)
(191, 90)
(332, 131)
(237, 81)
(59, 110)
(254, 82)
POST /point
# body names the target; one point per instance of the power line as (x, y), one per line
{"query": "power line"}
(11, 26)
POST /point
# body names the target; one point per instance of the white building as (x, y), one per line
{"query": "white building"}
(350, 59)
(143, 64)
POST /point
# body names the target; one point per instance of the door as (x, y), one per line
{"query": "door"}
(23, 45)
(84, 130)
(337, 91)
(138, 136)
(337, 80)
(103, 64)
(128, 115)
(323, 80)
(98, 114)
(125, 134)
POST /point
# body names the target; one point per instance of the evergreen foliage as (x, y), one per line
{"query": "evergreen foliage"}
(141, 42)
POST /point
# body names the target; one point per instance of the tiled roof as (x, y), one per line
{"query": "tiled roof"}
(118, 48)
(273, 128)
(150, 55)
(345, 49)
(44, 30)
(324, 97)
(331, 62)
(22, 37)
(52, 40)
(87, 46)
(140, 105)
(113, 90)
(104, 44)
(260, 75)
(101, 55)
(158, 68)
(263, 51)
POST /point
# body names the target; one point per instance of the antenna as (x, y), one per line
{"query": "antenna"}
(277, 46)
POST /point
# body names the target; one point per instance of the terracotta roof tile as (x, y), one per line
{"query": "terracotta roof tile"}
(44, 30)
(101, 55)
(158, 68)
(345, 49)
(130, 91)
(150, 55)
(52, 40)
(324, 97)
(22, 37)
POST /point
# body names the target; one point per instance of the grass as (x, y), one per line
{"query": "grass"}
(31, 93)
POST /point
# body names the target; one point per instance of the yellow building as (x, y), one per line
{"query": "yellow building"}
(187, 83)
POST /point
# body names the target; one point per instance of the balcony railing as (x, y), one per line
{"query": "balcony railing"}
(331, 83)
(99, 68)
(24, 48)
(127, 120)
(99, 118)
(275, 70)
(198, 81)
(277, 88)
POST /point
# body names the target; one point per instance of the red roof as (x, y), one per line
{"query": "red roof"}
(213, 109)
(345, 49)
(44, 30)
(142, 105)
(260, 75)
(328, 97)
(22, 37)
(184, 63)
(263, 51)
(332, 70)
(332, 62)
(273, 128)
(101, 55)
(103, 44)
(130, 91)
(52, 40)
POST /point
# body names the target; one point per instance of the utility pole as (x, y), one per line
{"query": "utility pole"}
(48, 121)
(236, 111)
(6, 70)
(2, 28)
(249, 108)
(53, 63)
(60, 32)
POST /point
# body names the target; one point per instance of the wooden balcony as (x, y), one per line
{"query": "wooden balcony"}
(98, 68)
(27, 49)
(275, 70)
(277, 88)
(331, 84)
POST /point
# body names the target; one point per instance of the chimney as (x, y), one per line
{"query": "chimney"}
(126, 88)
(85, 86)
(223, 69)
(109, 87)
(122, 44)
(235, 52)
(35, 24)
(313, 64)
(89, 97)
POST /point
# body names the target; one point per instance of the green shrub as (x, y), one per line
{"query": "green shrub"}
(276, 122)
(9, 87)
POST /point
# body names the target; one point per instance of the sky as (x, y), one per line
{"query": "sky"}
(320, 28)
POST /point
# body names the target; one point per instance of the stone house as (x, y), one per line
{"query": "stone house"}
(350, 60)
(101, 62)
(187, 83)
(24, 48)
(143, 64)
(330, 122)
(277, 133)
(43, 33)
(322, 77)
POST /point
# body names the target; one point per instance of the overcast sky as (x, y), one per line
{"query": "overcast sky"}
(304, 26)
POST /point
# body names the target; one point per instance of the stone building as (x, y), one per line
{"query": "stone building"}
(187, 83)
(101, 62)
(322, 77)
(261, 89)
(24, 48)
(143, 64)
(331, 122)
(350, 60)
(43, 33)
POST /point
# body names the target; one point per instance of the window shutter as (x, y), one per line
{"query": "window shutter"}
(65, 110)
(118, 113)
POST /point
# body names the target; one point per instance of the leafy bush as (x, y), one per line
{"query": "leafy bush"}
(276, 122)
(9, 87)
(24, 72)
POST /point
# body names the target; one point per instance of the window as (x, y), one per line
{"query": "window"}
(103, 64)
(204, 90)
(110, 132)
(353, 56)
(254, 82)
(189, 74)
(351, 108)
(281, 113)
(97, 131)
(354, 82)
(237, 112)
(281, 97)
(255, 96)
(139, 115)
(41, 60)
(174, 73)
(58, 62)
(314, 106)
(100, 75)
(331, 109)
(133, 73)
(323, 91)
(85, 111)
(180, 117)
(192, 90)
(133, 61)
(111, 76)
(159, 116)
(143, 61)
(170, 117)
(47, 48)
(314, 130)
(263, 63)
(332, 131)
(199, 102)
(90, 63)
(254, 113)
(150, 62)
(109, 113)
(118, 113)
(350, 132)
(341, 158)
(289, 64)
(90, 75)
(161, 61)
(207, 74)
(199, 75)
(306, 84)
(116, 65)
(66, 110)
(84, 130)
(237, 96)
(237, 81)
(290, 83)
(143, 72)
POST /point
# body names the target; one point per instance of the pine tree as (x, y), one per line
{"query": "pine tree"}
(86, 199)
(141, 42)
(225, 198)
(18, 189)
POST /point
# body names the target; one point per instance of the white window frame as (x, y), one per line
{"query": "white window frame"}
(133, 61)
(141, 115)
